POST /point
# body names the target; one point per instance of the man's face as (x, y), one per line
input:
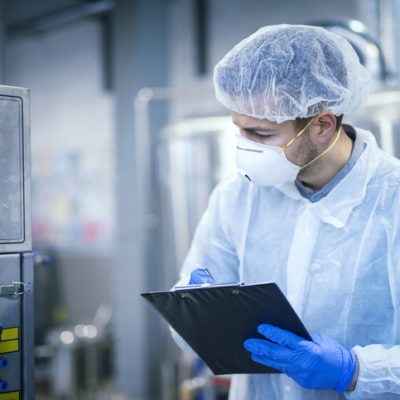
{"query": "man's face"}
(300, 152)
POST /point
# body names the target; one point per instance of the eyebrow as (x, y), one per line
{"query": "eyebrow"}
(255, 128)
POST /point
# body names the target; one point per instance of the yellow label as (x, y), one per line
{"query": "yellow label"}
(10, 333)
(9, 346)
(9, 396)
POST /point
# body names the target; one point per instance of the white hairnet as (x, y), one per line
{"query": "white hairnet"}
(284, 72)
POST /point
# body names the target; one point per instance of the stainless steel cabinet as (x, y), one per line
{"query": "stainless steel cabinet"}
(16, 261)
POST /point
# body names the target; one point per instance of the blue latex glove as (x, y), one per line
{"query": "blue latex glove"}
(199, 276)
(319, 364)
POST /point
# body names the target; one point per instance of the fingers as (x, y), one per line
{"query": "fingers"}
(200, 276)
(280, 366)
(268, 350)
(281, 336)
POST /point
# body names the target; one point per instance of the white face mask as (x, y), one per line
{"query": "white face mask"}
(262, 164)
(267, 165)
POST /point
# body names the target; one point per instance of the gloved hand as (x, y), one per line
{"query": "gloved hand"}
(200, 275)
(319, 364)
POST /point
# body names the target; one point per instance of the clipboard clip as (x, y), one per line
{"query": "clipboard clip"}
(207, 285)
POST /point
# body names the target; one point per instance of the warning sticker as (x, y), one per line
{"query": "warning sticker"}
(9, 342)
(9, 334)
(10, 396)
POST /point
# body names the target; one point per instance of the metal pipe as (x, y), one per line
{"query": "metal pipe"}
(60, 17)
(387, 29)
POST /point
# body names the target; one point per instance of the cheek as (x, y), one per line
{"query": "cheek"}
(292, 156)
(302, 152)
(295, 154)
(279, 141)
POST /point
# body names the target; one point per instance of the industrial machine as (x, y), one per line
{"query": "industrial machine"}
(16, 260)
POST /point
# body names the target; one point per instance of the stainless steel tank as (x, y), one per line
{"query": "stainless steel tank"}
(195, 154)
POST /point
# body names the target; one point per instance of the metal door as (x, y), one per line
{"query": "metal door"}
(16, 263)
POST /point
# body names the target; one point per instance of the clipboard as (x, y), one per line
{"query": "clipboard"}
(215, 320)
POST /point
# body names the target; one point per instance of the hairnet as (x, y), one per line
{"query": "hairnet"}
(284, 72)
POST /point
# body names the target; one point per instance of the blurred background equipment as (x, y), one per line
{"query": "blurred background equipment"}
(365, 45)
(75, 362)
(16, 259)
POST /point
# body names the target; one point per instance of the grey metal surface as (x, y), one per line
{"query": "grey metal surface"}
(15, 217)
(56, 18)
(10, 317)
(16, 264)
(28, 334)
(2, 41)
(11, 171)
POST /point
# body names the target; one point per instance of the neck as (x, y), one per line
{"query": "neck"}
(327, 167)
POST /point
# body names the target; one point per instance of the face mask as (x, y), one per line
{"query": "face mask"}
(267, 165)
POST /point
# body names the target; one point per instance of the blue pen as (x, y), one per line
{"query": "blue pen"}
(208, 272)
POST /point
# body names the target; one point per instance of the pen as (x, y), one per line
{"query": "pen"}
(208, 272)
(200, 277)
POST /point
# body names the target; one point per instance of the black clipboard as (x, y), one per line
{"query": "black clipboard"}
(215, 320)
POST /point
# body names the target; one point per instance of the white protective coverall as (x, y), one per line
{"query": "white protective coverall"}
(337, 260)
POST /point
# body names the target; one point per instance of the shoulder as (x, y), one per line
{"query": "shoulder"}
(233, 192)
(387, 171)
(387, 167)
(385, 185)
(389, 164)
(229, 200)
(384, 182)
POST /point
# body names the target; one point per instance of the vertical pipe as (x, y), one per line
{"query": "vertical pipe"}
(2, 41)
(386, 134)
(201, 45)
(28, 343)
(140, 43)
(387, 24)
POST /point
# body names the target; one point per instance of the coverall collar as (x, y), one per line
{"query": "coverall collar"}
(336, 206)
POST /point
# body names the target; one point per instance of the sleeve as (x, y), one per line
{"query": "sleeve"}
(212, 246)
(379, 375)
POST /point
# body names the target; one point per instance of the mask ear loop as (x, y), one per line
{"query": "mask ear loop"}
(282, 149)
(326, 150)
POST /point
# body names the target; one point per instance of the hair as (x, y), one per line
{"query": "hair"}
(301, 123)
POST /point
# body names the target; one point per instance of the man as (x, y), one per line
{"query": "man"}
(316, 210)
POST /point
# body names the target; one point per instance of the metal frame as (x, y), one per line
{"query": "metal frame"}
(27, 328)
(16, 261)
(26, 242)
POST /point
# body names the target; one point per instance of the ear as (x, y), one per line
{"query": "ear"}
(323, 127)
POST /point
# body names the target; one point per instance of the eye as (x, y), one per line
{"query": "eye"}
(264, 135)
(259, 135)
